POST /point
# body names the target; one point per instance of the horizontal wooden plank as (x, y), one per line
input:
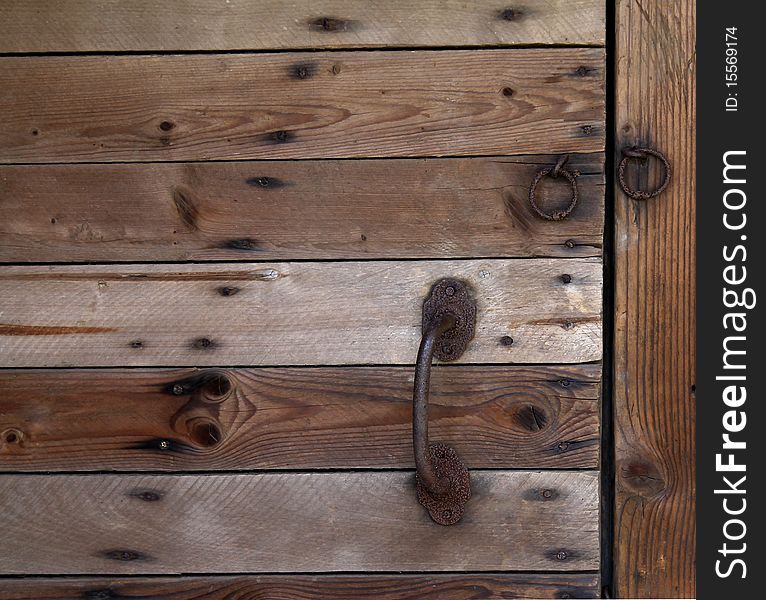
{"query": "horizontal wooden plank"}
(309, 587)
(294, 105)
(168, 25)
(437, 208)
(293, 418)
(293, 522)
(291, 313)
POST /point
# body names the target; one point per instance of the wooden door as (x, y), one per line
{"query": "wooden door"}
(220, 222)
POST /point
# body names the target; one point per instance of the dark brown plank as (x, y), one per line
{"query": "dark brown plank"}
(509, 417)
(293, 522)
(305, 587)
(300, 313)
(296, 210)
(294, 105)
(142, 25)
(654, 361)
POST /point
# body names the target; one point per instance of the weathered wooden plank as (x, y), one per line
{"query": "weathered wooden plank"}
(293, 105)
(509, 417)
(654, 356)
(297, 210)
(308, 587)
(144, 25)
(288, 522)
(291, 313)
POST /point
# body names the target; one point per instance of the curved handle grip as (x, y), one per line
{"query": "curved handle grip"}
(443, 482)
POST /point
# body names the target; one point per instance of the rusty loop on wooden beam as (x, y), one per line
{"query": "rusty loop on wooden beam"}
(442, 481)
(555, 172)
(636, 152)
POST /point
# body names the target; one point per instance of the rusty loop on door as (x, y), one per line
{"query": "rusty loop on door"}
(636, 152)
(442, 481)
(555, 172)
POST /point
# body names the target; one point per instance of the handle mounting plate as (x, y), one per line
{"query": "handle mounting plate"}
(448, 508)
(450, 296)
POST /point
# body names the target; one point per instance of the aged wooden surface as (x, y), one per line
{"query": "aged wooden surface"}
(464, 586)
(294, 105)
(293, 522)
(654, 356)
(115, 26)
(509, 417)
(296, 209)
(291, 313)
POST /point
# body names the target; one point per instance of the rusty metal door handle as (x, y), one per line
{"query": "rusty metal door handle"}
(442, 481)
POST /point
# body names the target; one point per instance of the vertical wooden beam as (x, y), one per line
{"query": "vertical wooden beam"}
(654, 336)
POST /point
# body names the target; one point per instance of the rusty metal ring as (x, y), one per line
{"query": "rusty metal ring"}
(637, 152)
(555, 172)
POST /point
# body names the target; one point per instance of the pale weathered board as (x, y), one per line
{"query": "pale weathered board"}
(462, 586)
(169, 25)
(390, 208)
(297, 105)
(294, 418)
(654, 347)
(529, 310)
(293, 522)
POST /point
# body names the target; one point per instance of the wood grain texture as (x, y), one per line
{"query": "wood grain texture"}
(654, 356)
(293, 522)
(144, 25)
(294, 105)
(291, 313)
(509, 417)
(390, 208)
(464, 586)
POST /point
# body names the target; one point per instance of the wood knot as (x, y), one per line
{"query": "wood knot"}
(541, 495)
(12, 436)
(124, 555)
(203, 344)
(101, 594)
(510, 14)
(531, 418)
(641, 477)
(228, 290)
(216, 386)
(245, 244)
(267, 183)
(146, 495)
(280, 137)
(303, 70)
(204, 432)
(331, 24)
